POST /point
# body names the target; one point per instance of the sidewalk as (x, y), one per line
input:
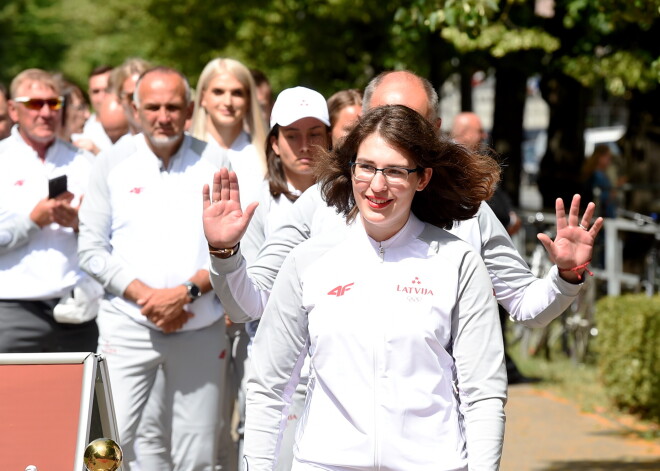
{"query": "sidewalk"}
(547, 433)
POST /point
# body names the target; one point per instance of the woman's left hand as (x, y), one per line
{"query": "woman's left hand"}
(573, 246)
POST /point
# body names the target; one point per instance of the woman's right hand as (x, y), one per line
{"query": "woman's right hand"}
(224, 220)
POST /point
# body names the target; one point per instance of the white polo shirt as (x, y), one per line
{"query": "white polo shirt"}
(142, 221)
(37, 264)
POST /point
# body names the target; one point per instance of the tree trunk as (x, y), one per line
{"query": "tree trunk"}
(466, 88)
(507, 132)
(559, 173)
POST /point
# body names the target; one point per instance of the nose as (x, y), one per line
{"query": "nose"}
(163, 114)
(305, 144)
(45, 110)
(378, 182)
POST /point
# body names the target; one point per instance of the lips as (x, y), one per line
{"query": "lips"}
(378, 203)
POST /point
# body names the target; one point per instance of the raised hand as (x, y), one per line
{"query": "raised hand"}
(573, 246)
(224, 220)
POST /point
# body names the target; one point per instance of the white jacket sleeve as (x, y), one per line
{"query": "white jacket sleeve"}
(244, 291)
(530, 300)
(94, 248)
(15, 232)
(278, 353)
(478, 353)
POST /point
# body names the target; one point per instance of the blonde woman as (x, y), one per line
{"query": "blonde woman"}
(227, 112)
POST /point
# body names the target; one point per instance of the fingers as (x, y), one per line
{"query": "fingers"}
(548, 244)
(206, 196)
(224, 185)
(234, 194)
(66, 197)
(574, 211)
(588, 214)
(595, 229)
(249, 212)
(217, 185)
(560, 213)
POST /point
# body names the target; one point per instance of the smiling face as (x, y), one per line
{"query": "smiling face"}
(226, 101)
(385, 207)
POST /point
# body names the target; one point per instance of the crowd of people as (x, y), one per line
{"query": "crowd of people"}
(327, 272)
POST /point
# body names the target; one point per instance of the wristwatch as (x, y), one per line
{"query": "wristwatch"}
(193, 290)
(223, 253)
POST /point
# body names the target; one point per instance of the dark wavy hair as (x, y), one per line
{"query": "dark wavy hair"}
(461, 179)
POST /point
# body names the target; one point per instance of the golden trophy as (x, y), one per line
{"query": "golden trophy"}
(103, 454)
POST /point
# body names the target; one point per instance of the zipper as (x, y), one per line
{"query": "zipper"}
(381, 251)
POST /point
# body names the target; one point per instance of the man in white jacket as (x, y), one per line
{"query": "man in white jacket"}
(38, 231)
(141, 237)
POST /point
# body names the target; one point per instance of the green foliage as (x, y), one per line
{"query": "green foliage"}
(607, 15)
(31, 35)
(500, 41)
(620, 71)
(629, 352)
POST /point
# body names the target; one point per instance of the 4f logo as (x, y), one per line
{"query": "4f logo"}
(340, 290)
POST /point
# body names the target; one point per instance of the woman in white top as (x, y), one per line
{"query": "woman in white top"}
(398, 316)
(299, 130)
(228, 113)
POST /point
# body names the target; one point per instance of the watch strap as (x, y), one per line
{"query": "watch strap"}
(223, 253)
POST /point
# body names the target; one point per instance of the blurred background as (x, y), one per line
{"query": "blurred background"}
(549, 78)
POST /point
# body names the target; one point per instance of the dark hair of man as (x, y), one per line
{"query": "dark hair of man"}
(259, 77)
(461, 180)
(3, 91)
(341, 100)
(101, 69)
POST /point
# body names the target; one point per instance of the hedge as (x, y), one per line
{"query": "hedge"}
(628, 347)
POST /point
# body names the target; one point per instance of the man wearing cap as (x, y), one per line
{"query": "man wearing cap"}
(141, 237)
(38, 242)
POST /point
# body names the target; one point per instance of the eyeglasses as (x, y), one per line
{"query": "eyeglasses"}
(36, 104)
(366, 172)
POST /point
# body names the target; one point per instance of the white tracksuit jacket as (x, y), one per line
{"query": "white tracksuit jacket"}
(532, 301)
(406, 353)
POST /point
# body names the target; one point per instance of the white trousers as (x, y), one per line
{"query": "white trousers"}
(193, 369)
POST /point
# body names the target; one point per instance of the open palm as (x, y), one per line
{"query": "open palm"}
(574, 243)
(224, 220)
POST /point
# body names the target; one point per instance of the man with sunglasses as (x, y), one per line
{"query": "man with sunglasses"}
(38, 231)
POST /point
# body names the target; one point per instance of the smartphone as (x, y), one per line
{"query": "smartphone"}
(56, 186)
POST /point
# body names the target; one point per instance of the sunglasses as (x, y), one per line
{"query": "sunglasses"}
(36, 104)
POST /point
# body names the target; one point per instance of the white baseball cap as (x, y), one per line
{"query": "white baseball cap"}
(297, 103)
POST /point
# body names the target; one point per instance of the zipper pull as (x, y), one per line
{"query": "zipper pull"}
(381, 251)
